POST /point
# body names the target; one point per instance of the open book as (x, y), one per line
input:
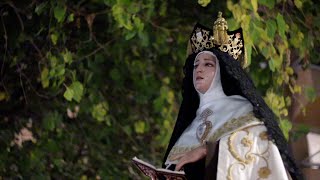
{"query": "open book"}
(158, 173)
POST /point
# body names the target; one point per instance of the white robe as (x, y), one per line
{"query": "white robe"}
(244, 150)
(248, 154)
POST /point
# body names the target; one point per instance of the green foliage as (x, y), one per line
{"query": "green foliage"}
(310, 93)
(300, 131)
(75, 91)
(99, 112)
(92, 84)
(59, 12)
(51, 120)
(285, 126)
(204, 3)
(274, 35)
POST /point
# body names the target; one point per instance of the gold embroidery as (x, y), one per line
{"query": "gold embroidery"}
(264, 172)
(246, 142)
(229, 177)
(250, 156)
(232, 125)
(228, 127)
(263, 135)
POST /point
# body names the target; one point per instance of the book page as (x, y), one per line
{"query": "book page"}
(143, 162)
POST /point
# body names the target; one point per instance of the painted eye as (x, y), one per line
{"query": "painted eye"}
(195, 66)
(209, 64)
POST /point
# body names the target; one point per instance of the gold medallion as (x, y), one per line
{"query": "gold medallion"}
(205, 127)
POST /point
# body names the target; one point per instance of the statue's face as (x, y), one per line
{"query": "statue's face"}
(204, 72)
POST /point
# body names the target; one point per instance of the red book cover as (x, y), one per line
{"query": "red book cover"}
(158, 173)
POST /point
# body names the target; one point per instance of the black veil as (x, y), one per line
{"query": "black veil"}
(235, 81)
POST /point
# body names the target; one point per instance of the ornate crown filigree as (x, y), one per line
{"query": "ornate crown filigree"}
(219, 37)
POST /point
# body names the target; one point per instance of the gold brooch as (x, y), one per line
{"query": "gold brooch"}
(205, 127)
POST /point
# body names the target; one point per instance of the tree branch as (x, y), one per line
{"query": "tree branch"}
(18, 15)
(96, 50)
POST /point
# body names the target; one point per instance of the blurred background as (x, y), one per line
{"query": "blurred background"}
(87, 85)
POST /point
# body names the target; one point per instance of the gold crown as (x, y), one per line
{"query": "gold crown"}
(219, 37)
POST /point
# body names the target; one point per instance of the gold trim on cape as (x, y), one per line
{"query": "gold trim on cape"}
(227, 128)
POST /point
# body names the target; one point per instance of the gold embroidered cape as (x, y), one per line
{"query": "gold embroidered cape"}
(244, 151)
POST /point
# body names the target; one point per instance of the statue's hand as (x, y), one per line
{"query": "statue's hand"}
(191, 156)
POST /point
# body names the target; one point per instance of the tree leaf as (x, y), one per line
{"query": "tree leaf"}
(54, 38)
(254, 4)
(139, 127)
(163, 8)
(271, 28)
(296, 38)
(58, 162)
(298, 4)
(60, 70)
(232, 24)
(269, 3)
(138, 23)
(99, 111)
(281, 25)
(3, 96)
(130, 35)
(285, 126)
(288, 101)
(67, 56)
(109, 2)
(77, 89)
(310, 93)
(68, 94)
(115, 74)
(123, 18)
(289, 70)
(204, 3)
(51, 120)
(127, 130)
(59, 12)
(144, 37)
(71, 17)
(41, 7)
(300, 130)
(297, 89)
(44, 77)
(271, 65)
(248, 52)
